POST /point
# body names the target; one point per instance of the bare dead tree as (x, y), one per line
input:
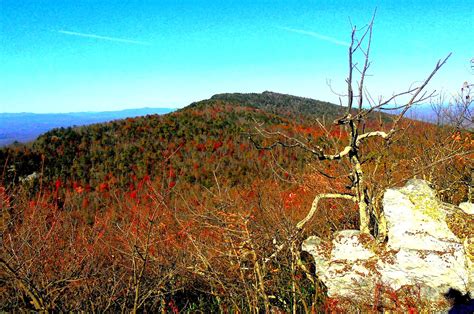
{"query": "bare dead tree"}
(359, 106)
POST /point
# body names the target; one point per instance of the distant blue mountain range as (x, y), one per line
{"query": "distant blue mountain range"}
(25, 127)
(421, 112)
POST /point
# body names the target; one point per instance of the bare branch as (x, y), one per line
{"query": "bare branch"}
(350, 92)
(420, 89)
(380, 105)
(366, 62)
(368, 30)
(318, 153)
(382, 134)
(314, 206)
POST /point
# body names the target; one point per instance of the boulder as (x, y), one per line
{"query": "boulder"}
(467, 207)
(422, 252)
(343, 263)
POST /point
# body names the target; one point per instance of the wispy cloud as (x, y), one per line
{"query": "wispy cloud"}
(116, 39)
(317, 35)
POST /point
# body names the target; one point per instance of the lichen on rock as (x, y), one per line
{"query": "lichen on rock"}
(422, 250)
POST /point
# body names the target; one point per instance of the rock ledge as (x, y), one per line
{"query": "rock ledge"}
(422, 252)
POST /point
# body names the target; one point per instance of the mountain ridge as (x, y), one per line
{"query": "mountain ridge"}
(279, 103)
(206, 130)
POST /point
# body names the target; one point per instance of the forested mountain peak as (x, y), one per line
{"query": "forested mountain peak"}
(271, 99)
(277, 103)
(209, 133)
(215, 130)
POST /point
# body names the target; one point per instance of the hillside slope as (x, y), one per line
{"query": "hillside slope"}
(202, 137)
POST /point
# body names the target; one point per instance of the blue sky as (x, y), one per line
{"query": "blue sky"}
(78, 55)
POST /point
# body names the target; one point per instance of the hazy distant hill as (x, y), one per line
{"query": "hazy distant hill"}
(25, 127)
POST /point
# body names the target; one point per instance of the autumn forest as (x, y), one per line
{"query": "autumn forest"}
(183, 211)
(205, 209)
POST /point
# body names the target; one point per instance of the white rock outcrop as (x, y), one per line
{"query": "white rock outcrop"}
(468, 208)
(342, 265)
(422, 251)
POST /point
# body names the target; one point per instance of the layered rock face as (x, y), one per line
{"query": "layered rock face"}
(429, 250)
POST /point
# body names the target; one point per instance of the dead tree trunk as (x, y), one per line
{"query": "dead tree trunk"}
(359, 106)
